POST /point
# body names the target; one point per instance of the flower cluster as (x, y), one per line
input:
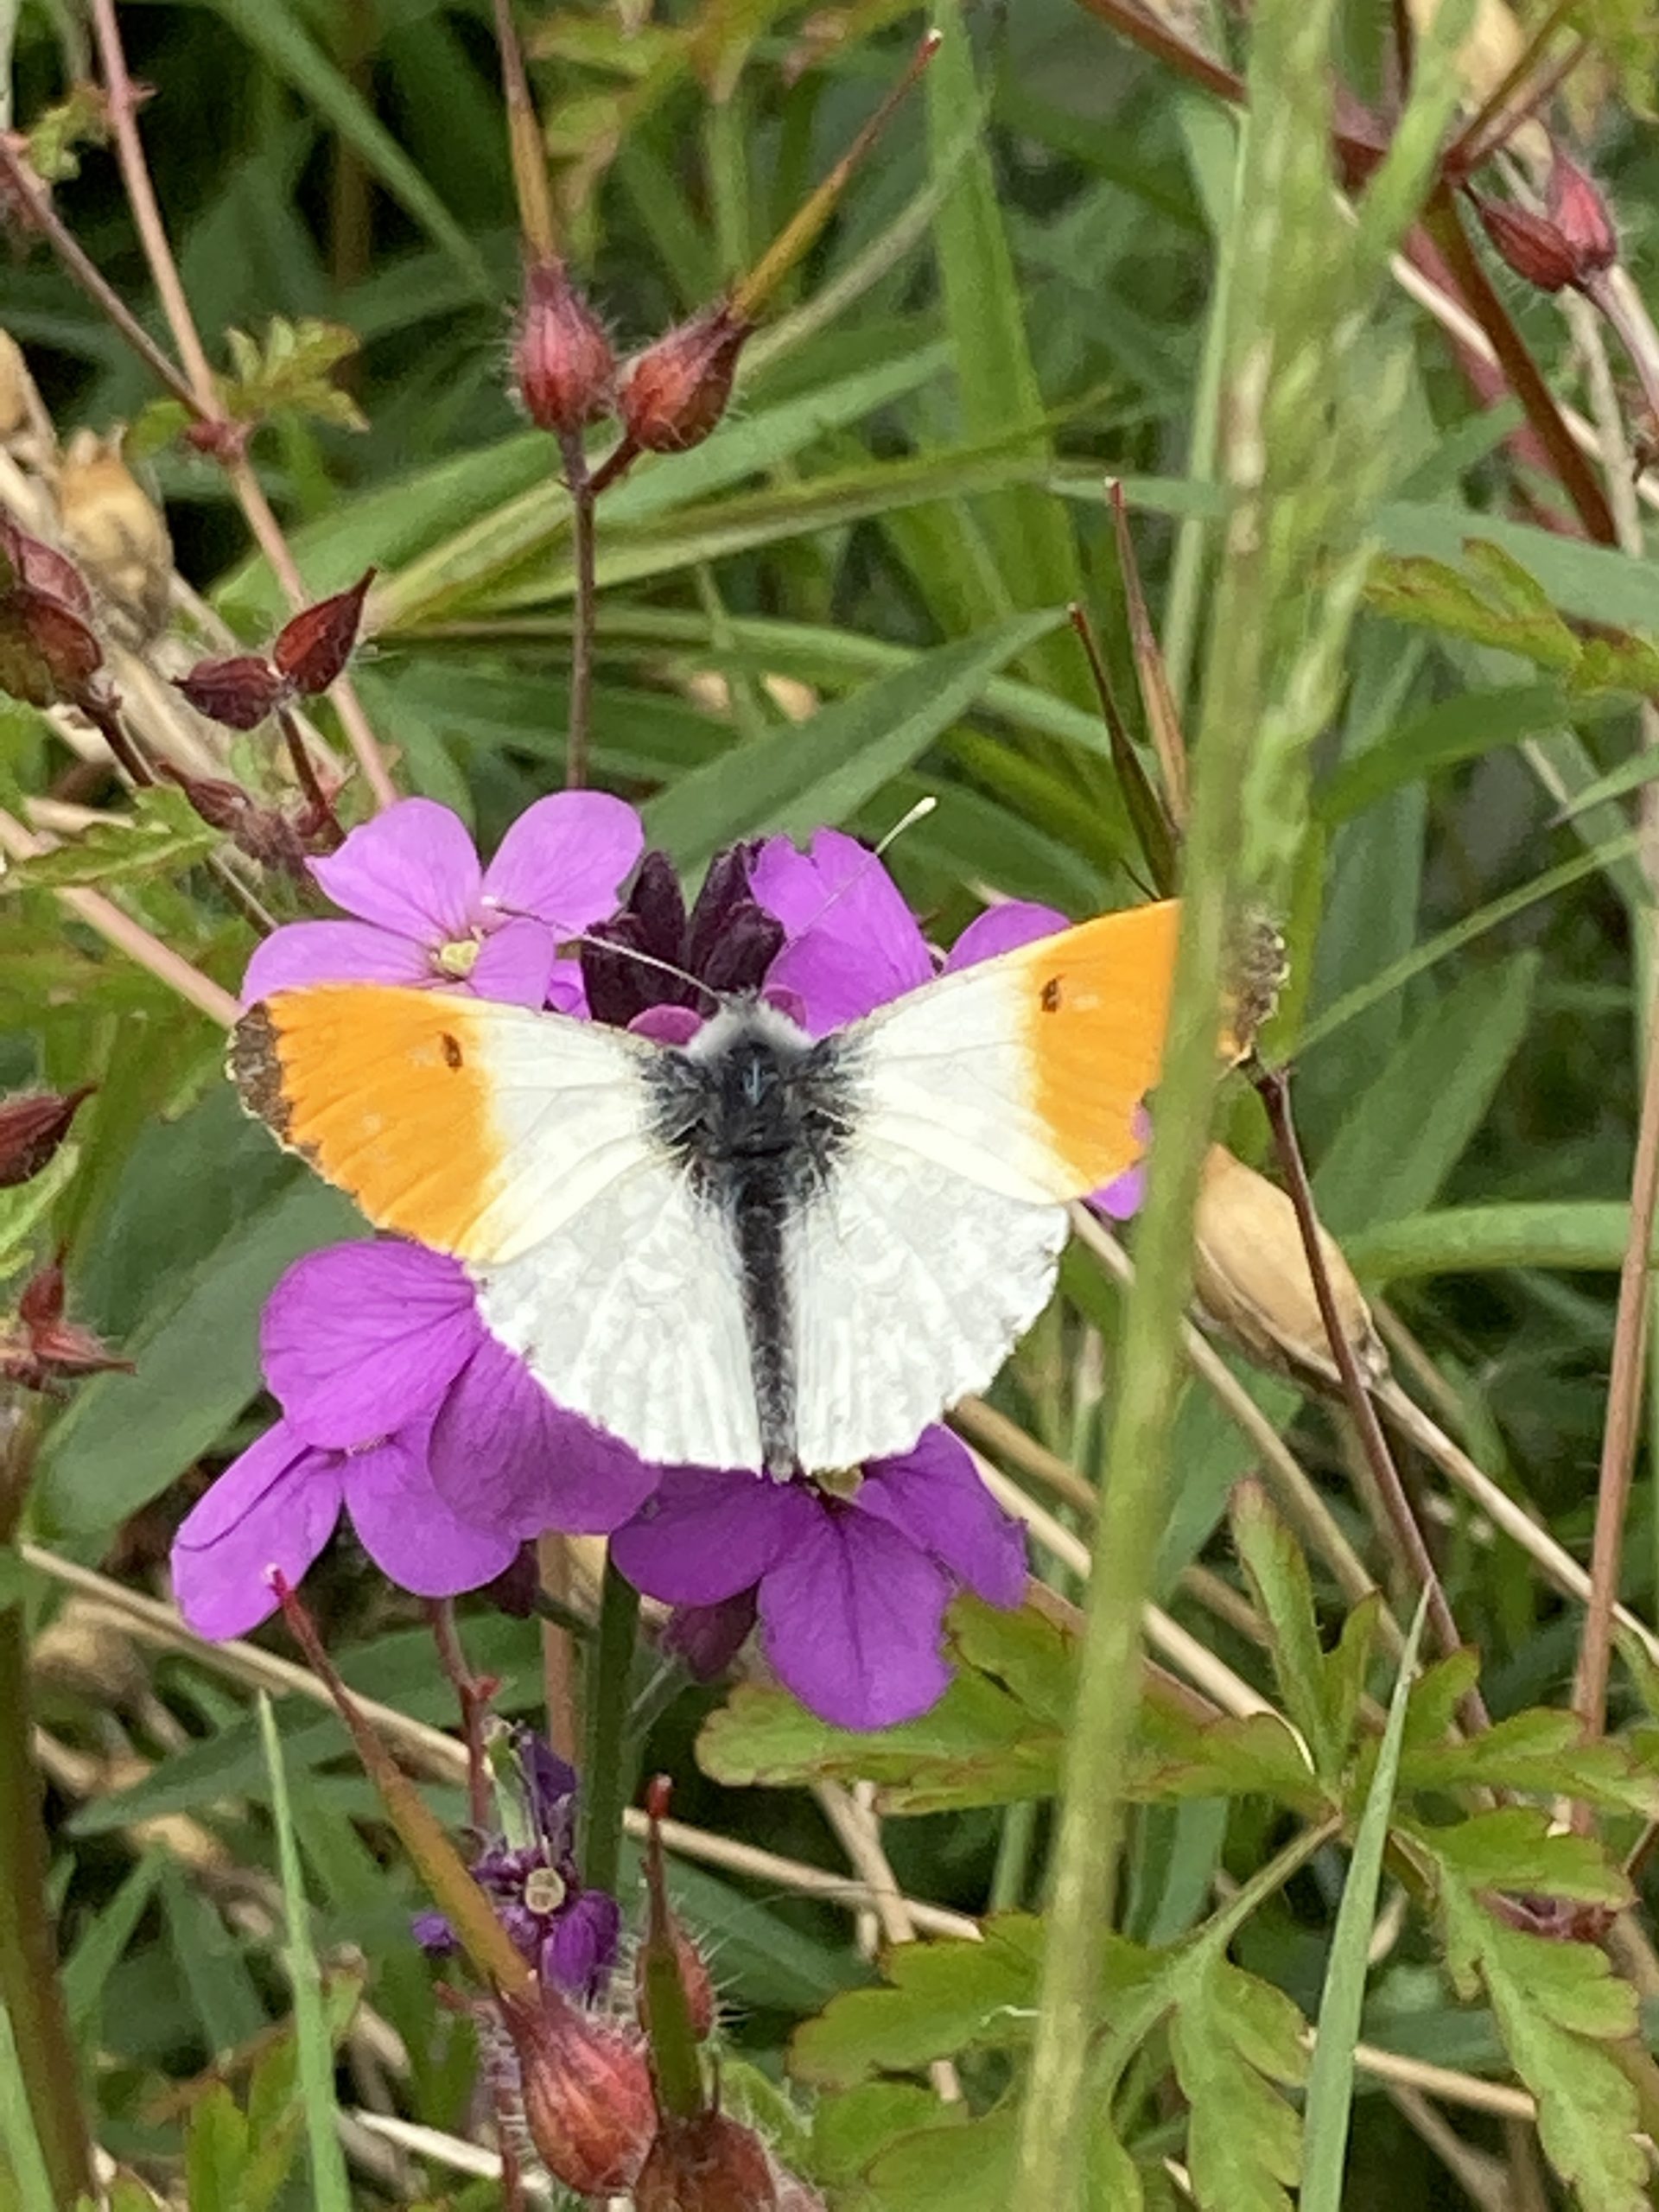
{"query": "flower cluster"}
(398, 1406)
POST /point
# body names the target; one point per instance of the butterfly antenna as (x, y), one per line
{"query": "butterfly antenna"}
(919, 812)
(623, 951)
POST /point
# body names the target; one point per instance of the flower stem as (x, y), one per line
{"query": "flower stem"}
(606, 1764)
(30, 1991)
(582, 490)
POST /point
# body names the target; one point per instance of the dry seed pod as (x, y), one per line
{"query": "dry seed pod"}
(115, 530)
(1251, 1278)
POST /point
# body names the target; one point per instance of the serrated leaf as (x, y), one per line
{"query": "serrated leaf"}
(1233, 2039)
(1278, 1573)
(1511, 1848)
(24, 1206)
(1257, 1754)
(1541, 1751)
(57, 135)
(162, 833)
(289, 371)
(1556, 2005)
(947, 2168)
(852, 2126)
(215, 2152)
(940, 2000)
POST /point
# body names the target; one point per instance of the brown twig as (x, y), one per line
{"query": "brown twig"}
(1477, 132)
(1624, 1396)
(1273, 1088)
(305, 771)
(473, 1694)
(127, 936)
(583, 492)
(200, 385)
(1578, 479)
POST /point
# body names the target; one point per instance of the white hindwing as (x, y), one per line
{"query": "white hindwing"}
(621, 1294)
(932, 1244)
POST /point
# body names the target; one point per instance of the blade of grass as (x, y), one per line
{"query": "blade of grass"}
(25, 2161)
(331, 2189)
(1330, 2083)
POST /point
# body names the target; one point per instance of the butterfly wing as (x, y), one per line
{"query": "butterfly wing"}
(524, 1144)
(983, 1103)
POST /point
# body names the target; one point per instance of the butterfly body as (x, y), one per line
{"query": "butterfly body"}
(758, 1247)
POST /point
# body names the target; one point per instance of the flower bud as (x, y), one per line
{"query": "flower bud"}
(1579, 213)
(263, 833)
(676, 391)
(1250, 1274)
(32, 1127)
(695, 1979)
(586, 2092)
(1533, 245)
(706, 2164)
(115, 530)
(313, 649)
(706, 1639)
(563, 364)
(238, 690)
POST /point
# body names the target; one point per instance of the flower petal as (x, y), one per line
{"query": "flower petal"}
(566, 991)
(408, 1530)
(933, 1494)
(1003, 928)
(515, 963)
(411, 869)
(854, 944)
(356, 1339)
(276, 1506)
(709, 1533)
(580, 1948)
(1122, 1197)
(509, 1460)
(564, 860)
(851, 1621)
(667, 1025)
(332, 952)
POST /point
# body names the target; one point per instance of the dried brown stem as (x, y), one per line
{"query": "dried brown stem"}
(1461, 155)
(127, 936)
(200, 387)
(583, 491)
(1623, 1401)
(305, 771)
(525, 142)
(1273, 1088)
(1578, 479)
(473, 1696)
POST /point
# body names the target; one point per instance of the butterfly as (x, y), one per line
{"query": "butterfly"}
(758, 1248)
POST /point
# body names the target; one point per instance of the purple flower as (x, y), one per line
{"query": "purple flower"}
(529, 1873)
(398, 1403)
(426, 913)
(852, 1588)
(852, 943)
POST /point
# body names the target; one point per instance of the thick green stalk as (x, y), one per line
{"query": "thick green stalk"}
(607, 1778)
(30, 1992)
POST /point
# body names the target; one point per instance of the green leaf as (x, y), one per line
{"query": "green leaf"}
(1330, 2079)
(949, 2168)
(1512, 1847)
(1284, 1594)
(1255, 1755)
(1233, 2039)
(941, 1998)
(330, 2187)
(126, 1437)
(1573, 1233)
(290, 371)
(1557, 2005)
(852, 2126)
(1540, 1751)
(1458, 728)
(824, 769)
(25, 2161)
(103, 1943)
(24, 1206)
(215, 2152)
(1408, 1130)
(162, 835)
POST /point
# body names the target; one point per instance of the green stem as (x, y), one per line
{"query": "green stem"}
(607, 1779)
(30, 1991)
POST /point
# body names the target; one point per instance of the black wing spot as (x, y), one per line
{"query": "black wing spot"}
(1051, 1000)
(450, 1047)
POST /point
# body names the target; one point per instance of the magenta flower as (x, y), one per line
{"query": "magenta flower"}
(851, 1589)
(426, 913)
(852, 943)
(398, 1405)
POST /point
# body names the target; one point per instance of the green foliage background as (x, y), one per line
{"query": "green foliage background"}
(1023, 296)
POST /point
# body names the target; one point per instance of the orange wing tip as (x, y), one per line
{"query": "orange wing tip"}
(255, 1067)
(1260, 967)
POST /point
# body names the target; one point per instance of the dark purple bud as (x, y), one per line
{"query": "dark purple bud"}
(1532, 245)
(238, 691)
(706, 2164)
(563, 364)
(586, 2092)
(32, 1127)
(434, 1935)
(1579, 213)
(313, 649)
(706, 1639)
(675, 391)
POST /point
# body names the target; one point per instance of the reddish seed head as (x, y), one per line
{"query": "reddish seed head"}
(563, 364)
(238, 691)
(313, 649)
(676, 391)
(44, 569)
(32, 1128)
(707, 2164)
(586, 2093)
(1579, 213)
(1532, 245)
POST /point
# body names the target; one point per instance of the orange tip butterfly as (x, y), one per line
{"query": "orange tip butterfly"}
(758, 1248)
